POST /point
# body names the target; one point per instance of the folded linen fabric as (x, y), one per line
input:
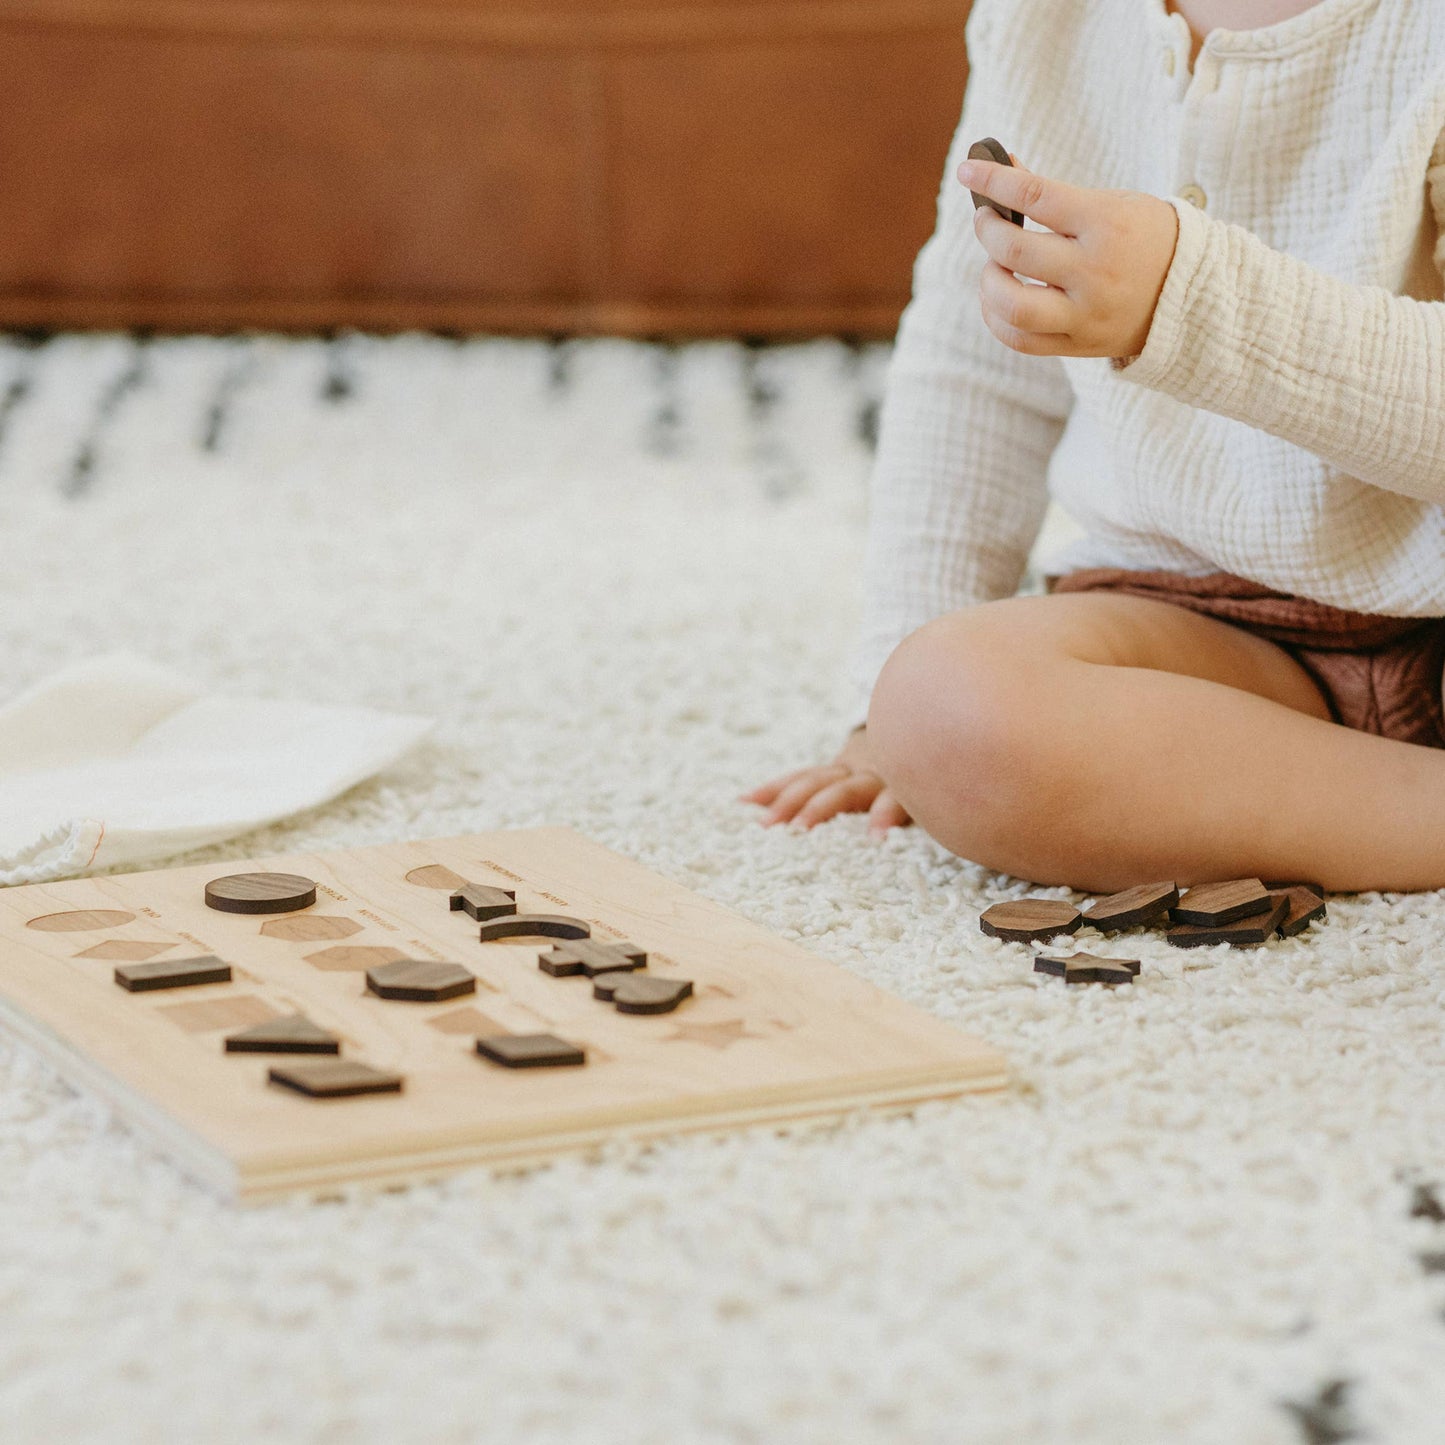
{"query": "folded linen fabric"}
(117, 760)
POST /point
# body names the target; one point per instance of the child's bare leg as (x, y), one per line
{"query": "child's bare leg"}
(1101, 741)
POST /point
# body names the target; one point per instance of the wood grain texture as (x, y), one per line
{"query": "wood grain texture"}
(1213, 904)
(1030, 920)
(1132, 907)
(260, 893)
(789, 1037)
(1303, 907)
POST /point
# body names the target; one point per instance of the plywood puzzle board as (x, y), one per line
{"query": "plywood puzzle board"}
(772, 1033)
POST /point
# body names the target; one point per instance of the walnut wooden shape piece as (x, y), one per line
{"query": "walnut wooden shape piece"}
(179, 973)
(483, 902)
(294, 1035)
(1087, 968)
(590, 957)
(334, 1079)
(1304, 906)
(1241, 933)
(530, 1051)
(420, 980)
(1132, 907)
(260, 893)
(988, 149)
(1030, 920)
(645, 993)
(534, 925)
(1212, 904)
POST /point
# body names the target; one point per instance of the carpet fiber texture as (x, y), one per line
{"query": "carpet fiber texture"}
(625, 578)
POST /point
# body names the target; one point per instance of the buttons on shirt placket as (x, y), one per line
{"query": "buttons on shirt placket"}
(1194, 88)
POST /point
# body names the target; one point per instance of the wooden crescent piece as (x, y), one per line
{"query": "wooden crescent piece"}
(260, 893)
(534, 925)
(1030, 920)
(988, 149)
(1131, 907)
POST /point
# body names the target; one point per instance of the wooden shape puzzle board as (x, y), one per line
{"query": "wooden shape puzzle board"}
(773, 1033)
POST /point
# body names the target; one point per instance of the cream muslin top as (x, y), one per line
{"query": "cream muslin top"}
(1286, 418)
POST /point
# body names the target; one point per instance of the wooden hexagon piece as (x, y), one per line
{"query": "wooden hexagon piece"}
(420, 980)
(1131, 907)
(1030, 920)
(1210, 905)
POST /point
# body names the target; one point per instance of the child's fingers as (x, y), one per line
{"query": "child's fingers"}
(1055, 204)
(851, 795)
(1036, 310)
(765, 793)
(887, 812)
(797, 793)
(1040, 254)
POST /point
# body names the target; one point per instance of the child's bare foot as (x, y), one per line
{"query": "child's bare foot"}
(846, 785)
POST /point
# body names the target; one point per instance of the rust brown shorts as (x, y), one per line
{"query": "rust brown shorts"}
(1378, 674)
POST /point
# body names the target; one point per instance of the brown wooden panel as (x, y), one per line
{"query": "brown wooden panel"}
(180, 166)
(763, 173)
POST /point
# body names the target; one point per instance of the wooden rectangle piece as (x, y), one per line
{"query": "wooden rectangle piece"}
(771, 1035)
(180, 973)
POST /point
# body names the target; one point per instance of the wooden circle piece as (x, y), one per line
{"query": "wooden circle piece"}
(1029, 920)
(260, 893)
(988, 149)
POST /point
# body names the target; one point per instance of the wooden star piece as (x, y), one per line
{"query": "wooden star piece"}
(1086, 968)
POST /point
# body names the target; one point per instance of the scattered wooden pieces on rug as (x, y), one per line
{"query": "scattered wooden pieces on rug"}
(294, 1035)
(1131, 907)
(589, 957)
(1247, 932)
(1305, 907)
(260, 893)
(1030, 920)
(483, 902)
(335, 1079)
(1213, 904)
(644, 993)
(179, 973)
(420, 980)
(1086, 968)
(534, 925)
(530, 1051)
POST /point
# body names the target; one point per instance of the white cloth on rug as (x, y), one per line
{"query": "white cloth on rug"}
(117, 760)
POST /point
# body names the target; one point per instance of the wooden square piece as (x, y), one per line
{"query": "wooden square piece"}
(179, 973)
(334, 1079)
(1213, 904)
(530, 1051)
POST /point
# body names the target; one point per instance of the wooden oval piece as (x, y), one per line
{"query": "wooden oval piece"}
(81, 920)
(988, 149)
(260, 893)
(1029, 920)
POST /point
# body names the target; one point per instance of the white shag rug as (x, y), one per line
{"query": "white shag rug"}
(625, 577)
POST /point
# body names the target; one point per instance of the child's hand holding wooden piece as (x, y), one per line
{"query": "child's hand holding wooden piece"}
(1103, 260)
